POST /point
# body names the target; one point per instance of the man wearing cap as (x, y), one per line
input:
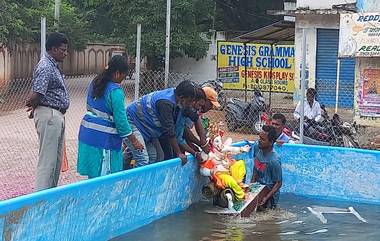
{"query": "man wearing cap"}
(205, 100)
(212, 99)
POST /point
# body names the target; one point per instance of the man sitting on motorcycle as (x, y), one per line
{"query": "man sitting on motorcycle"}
(278, 122)
(312, 109)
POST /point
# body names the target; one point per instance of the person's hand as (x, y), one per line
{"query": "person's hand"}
(245, 148)
(31, 114)
(205, 156)
(183, 158)
(206, 148)
(280, 142)
(137, 145)
(264, 201)
(198, 156)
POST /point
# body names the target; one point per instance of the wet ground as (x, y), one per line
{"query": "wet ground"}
(293, 222)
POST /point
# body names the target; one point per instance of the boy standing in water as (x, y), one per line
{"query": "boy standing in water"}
(267, 166)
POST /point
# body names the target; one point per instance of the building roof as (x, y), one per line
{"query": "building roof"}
(336, 9)
(278, 32)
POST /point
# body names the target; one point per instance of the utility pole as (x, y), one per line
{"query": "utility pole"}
(137, 66)
(214, 17)
(57, 7)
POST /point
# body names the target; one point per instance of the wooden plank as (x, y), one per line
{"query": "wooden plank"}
(251, 202)
(252, 206)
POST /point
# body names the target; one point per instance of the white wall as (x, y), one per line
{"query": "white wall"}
(290, 5)
(321, 4)
(203, 69)
(311, 23)
(5, 68)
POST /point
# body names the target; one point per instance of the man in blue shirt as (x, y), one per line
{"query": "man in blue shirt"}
(152, 117)
(210, 102)
(48, 103)
(267, 166)
(205, 100)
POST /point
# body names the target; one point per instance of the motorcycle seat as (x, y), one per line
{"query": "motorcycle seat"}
(240, 103)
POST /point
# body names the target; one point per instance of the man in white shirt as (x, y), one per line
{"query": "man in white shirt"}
(312, 109)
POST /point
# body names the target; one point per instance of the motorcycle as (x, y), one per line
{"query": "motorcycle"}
(309, 140)
(218, 87)
(242, 114)
(347, 134)
(330, 132)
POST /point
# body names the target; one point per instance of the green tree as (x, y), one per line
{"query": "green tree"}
(17, 23)
(20, 22)
(100, 21)
(245, 15)
(117, 20)
(186, 16)
(73, 22)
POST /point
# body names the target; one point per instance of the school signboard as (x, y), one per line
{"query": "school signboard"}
(256, 65)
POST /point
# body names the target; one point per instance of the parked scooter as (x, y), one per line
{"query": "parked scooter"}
(242, 114)
(218, 87)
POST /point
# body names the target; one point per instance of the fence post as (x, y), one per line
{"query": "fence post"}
(337, 86)
(43, 36)
(137, 66)
(303, 76)
(271, 76)
(167, 45)
(245, 73)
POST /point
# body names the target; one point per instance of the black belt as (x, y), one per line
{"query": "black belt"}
(63, 111)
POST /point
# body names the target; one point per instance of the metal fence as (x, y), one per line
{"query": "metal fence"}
(19, 145)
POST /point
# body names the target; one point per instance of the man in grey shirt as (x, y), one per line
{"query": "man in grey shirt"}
(47, 104)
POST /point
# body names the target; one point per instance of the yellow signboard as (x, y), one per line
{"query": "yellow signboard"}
(256, 65)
